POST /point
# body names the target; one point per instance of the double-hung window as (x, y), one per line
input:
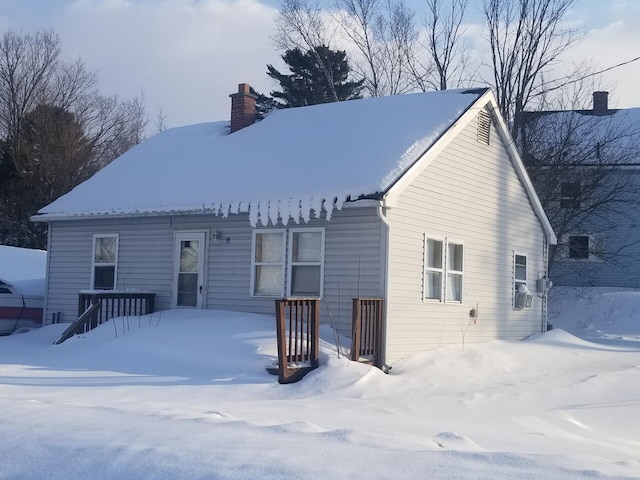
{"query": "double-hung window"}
(522, 297)
(434, 267)
(267, 270)
(455, 272)
(443, 270)
(306, 262)
(298, 251)
(105, 262)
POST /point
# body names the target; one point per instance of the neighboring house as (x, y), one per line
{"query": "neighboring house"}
(22, 286)
(585, 165)
(418, 199)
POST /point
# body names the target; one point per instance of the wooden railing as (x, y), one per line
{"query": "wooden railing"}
(116, 304)
(366, 335)
(95, 308)
(298, 329)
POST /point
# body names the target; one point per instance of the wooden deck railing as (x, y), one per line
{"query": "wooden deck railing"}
(95, 308)
(366, 338)
(298, 329)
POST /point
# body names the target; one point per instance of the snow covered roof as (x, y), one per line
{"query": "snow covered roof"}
(586, 136)
(23, 269)
(289, 164)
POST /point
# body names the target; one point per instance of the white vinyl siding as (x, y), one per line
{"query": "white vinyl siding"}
(469, 192)
(353, 261)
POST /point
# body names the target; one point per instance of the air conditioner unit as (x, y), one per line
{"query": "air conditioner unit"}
(523, 300)
(523, 297)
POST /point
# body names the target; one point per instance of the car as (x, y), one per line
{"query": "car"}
(22, 286)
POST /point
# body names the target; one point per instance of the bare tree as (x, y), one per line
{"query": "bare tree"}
(301, 24)
(385, 38)
(526, 38)
(56, 129)
(448, 51)
(583, 166)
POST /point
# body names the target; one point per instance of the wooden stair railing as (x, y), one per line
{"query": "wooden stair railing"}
(82, 324)
(298, 329)
(366, 335)
(95, 308)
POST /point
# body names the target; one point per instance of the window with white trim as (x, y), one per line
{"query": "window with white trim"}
(104, 263)
(306, 262)
(455, 272)
(298, 251)
(519, 276)
(267, 263)
(433, 268)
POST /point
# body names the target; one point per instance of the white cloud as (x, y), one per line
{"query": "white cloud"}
(186, 55)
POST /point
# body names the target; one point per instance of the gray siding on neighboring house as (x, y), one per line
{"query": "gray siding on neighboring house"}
(353, 243)
(469, 193)
(618, 235)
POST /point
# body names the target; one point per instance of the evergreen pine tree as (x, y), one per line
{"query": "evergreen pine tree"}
(319, 75)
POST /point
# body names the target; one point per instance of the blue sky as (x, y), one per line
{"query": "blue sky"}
(188, 55)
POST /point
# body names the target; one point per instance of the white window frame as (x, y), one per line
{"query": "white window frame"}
(519, 281)
(428, 269)
(291, 264)
(104, 264)
(254, 264)
(449, 272)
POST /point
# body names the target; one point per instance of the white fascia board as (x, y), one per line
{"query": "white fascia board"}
(520, 169)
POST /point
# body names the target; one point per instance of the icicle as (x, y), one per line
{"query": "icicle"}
(316, 205)
(263, 208)
(253, 214)
(305, 209)
(274, 211)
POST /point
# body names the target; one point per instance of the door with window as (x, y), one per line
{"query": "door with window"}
(188, 282)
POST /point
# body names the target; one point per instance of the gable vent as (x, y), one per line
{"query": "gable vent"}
(484, 127)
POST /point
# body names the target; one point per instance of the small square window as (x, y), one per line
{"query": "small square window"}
(579, 247)
(570, 194)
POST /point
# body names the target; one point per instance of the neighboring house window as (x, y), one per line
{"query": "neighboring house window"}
(306, 262)
(455, 272)
(484, 127)
(434, 268)
(267, 269)
(570, 194)
(105, 262)
(579, 247)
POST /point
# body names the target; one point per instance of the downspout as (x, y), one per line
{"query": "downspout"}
(45, 308)
(545, 297)
(384, 264)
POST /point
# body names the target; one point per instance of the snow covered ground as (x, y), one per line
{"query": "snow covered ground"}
(185, 395)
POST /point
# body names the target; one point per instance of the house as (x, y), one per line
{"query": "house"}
(419, 199)
(22, 286)
(584, 165)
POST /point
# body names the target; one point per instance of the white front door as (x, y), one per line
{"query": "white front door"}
(188, 281)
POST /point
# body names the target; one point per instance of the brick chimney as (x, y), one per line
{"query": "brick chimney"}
(243, 107)
(600, 103)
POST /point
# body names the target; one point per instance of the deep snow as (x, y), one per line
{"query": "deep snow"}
(186, 395)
